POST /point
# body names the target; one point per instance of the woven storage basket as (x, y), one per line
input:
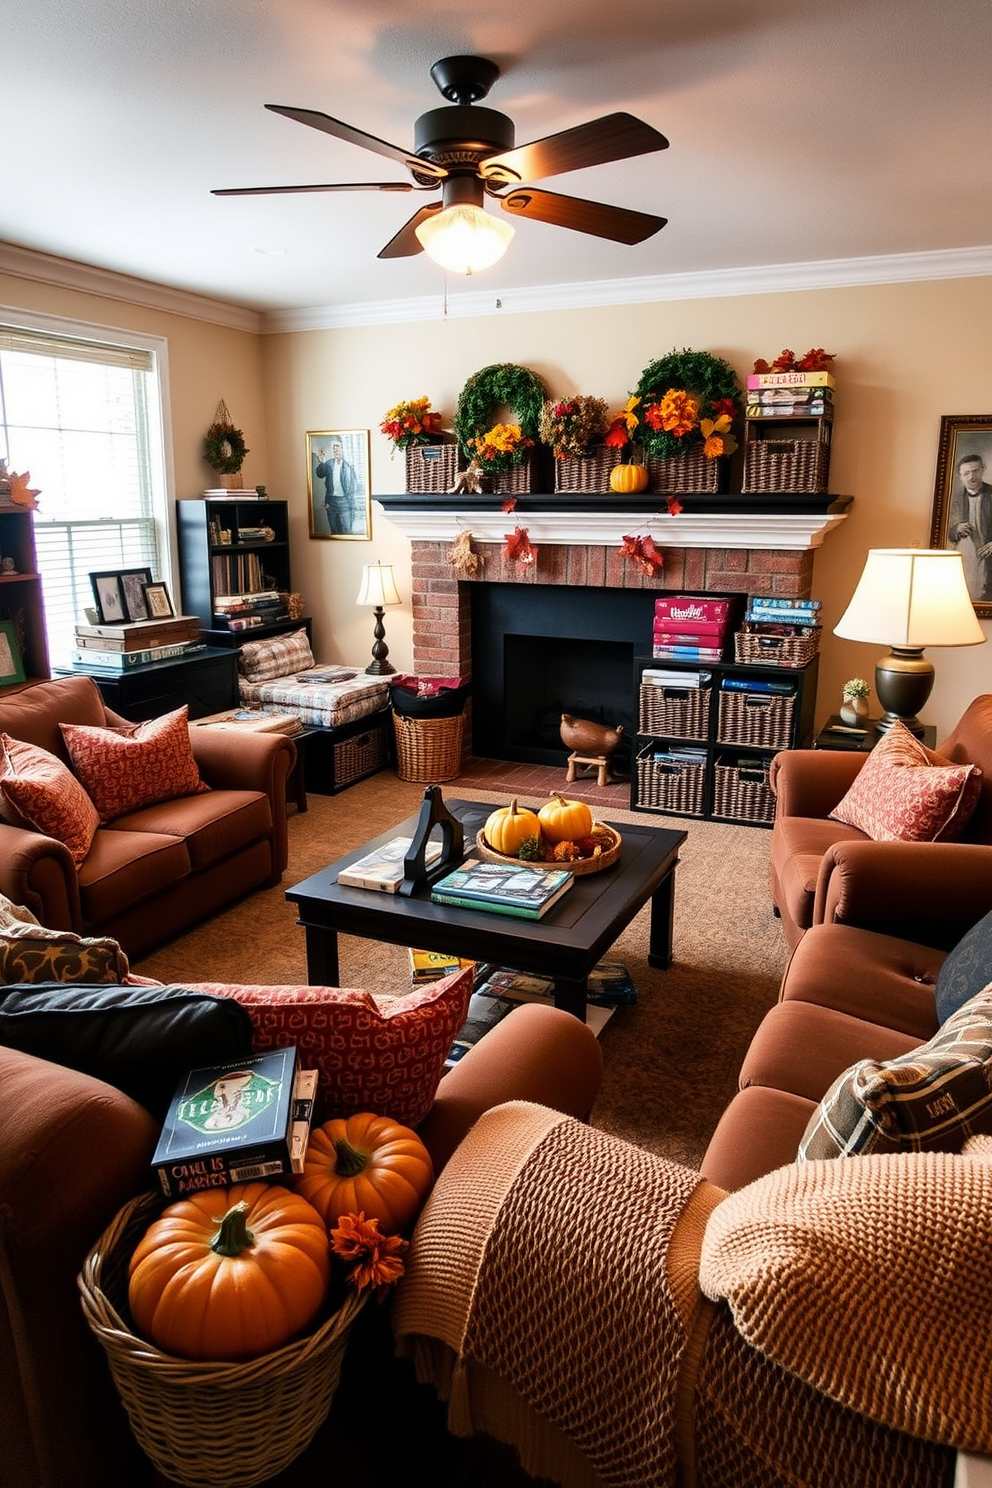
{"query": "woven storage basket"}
(431, 467)
(589, 473)
(428, 749)
(689, 472)
(209, 1425)
(762, 720)
(772, 650)
(742, 792)
(785, 465)
(680, 712)
(666, 786)
(517, 481)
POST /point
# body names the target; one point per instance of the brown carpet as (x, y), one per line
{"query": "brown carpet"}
(671, 1060)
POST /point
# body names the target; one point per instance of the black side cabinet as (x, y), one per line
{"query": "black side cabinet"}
(206, 682)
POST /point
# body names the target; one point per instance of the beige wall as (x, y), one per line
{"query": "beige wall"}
(906, 354)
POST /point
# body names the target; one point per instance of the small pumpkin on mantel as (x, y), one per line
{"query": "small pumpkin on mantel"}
(629, 479)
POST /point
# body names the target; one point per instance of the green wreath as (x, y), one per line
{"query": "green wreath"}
(224, 448)
(709, 379)
(502, 385)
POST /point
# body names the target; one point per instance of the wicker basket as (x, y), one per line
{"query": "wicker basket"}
(689, 472)
(679, 712)
(760, 720)
(517, 481)
(664, 785)
(588, 473)
(431, 467)
(785, 465)
(772, 650)
(428, 749)
(742, 792)
(209, 1425)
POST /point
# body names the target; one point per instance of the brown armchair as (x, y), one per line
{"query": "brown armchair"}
(824, 872)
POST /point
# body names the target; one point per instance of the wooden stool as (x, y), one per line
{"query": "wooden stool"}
(600, 762)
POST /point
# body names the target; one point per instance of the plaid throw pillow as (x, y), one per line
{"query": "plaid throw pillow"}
(934, 1097)
(260, 661)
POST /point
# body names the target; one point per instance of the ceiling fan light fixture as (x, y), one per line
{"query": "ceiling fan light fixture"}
(464, 238)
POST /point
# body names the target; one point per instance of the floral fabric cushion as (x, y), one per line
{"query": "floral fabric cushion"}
(382, 1055)
(934, 1097)
(31, 953)
(905, 792)
(126, 768)
(260, 661)
(38, 791)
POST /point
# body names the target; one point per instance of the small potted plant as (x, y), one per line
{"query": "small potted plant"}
(854, 708)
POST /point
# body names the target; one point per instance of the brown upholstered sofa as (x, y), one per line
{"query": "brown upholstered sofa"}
(620, 1319)
(152, 872)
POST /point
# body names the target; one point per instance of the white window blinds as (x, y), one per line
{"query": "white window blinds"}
(83, 416)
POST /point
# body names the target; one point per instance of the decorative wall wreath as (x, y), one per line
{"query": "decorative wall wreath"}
(224, 447)
(708, 379)
(502, 385)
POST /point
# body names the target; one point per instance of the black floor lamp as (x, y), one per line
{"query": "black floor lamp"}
(378, 589)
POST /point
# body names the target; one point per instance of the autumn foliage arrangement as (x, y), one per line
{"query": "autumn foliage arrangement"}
(574, 427)
(412, 423)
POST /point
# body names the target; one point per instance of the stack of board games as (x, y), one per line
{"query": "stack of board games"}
(688, 627)
(782, 617)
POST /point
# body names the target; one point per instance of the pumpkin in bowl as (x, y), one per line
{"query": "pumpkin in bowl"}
(564, 820)
(509, 827)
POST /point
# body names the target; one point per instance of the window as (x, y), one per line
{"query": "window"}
(83, 413)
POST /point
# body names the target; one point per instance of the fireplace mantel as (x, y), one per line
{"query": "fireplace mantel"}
(772, 521)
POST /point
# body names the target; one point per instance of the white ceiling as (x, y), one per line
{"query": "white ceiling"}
(800, 132)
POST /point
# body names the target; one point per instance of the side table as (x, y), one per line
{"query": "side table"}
(836, 734)
(205, 680)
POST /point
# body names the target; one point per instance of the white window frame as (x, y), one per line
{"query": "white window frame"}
(159, 413)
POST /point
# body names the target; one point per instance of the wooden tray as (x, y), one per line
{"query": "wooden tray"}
(579, 867)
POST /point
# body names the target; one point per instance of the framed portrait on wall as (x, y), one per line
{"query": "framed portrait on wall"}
(962, 500)
(338, 488)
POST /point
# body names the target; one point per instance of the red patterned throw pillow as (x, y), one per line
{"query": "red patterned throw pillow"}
(126, 768)
(384, 1056)
(905, 792)
(36, 790)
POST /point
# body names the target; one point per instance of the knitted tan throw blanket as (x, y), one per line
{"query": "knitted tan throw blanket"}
(545, 1260)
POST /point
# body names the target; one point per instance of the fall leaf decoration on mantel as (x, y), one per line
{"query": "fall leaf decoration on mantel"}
(518, 548)
(815, 360)
(643, 552)
(21, 493)
(463, 557)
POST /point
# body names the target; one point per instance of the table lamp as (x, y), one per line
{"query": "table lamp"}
(908, 598)
(378, 588)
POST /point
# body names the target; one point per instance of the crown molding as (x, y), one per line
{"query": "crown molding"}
(838, 273)
(66, 273)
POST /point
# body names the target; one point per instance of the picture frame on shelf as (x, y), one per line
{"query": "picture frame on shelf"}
(158, 602)
(338, 485)
(133, 581)
(109, 597)
(962, 500)
(11, 662)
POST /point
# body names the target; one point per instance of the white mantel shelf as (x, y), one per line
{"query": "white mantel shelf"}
(795, 526)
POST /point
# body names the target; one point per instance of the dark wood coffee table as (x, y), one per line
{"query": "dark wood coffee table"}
(565, 945)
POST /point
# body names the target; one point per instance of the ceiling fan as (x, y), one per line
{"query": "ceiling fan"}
(469, 153)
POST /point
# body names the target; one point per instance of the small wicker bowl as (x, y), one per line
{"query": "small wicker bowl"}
(579, 867)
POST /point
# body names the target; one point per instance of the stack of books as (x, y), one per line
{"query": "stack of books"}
(250, 609)
(499, 888)
(235, 1123)
(790, 395)
(117, 648)
(690, 628)
(500, 991)
(782, 617)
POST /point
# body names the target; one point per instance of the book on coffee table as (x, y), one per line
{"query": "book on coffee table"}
(382, 868)
(509, 889)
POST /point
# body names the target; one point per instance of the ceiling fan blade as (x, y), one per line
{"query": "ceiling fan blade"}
(405, 243)
(617, 223)
(353, 136)
(337, 186)
(613, 137)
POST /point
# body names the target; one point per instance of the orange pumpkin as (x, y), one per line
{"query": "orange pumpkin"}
(629, 478)
(510, 826)
(230, 1273)
(563, 820)
(369, 1165)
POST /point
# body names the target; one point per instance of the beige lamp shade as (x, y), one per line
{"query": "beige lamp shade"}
(378, 587)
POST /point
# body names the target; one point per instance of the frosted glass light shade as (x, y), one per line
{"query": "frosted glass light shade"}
(912, 597)
(378, 587)
(464, 238)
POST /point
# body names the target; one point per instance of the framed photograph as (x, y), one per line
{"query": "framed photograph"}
(962, 500)
(11, 663)
(109, 597)
(158, 603)
(133, 581)
(338, 484)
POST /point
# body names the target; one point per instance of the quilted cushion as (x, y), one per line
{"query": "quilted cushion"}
(385, 1055)
(260, 661)
(905, 792)
(934, 1097)
(31, 953)
(966, 970)
(126, 768)
(37, 790)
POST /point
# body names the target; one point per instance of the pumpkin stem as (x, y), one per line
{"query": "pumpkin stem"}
(233, 1235)
(349, 1162)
